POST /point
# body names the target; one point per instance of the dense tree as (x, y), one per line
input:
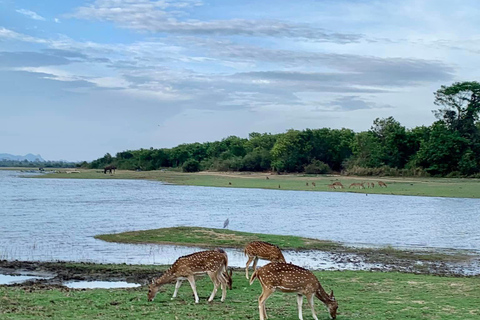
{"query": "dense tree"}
(449, 146)
(461, 107)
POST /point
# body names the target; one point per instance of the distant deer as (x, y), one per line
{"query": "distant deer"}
(212, 262)
(278, 186)
(288, 277)
(262, 250)
(372, 184)
(360, 185)
(229, 183)
(306, 184)
(267, 178)
(338, 183)
(382, 184)
(331, 186)
(313, 184)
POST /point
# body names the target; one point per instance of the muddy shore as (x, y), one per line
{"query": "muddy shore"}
(57, 273)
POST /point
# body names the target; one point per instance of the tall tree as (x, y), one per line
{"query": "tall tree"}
(461, 107)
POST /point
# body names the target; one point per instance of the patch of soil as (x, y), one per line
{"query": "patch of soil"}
(61, 272)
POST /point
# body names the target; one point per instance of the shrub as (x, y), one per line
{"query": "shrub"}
(191, 165)
(317, 167)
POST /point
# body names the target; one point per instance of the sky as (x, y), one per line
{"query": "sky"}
(80, 78)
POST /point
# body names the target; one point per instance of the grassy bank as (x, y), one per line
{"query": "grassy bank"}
(434, 187)
(361, 295)
(209, 237)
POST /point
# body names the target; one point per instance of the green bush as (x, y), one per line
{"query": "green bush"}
(317, 167)
(191, 165)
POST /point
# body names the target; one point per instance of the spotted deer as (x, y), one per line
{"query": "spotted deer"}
(213, 262)
(262, 250)
(360, 185)
(338, 183)
(288, 277)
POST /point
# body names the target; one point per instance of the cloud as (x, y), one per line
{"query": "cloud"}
(157, 16)
(31, 14)
(351, 103)
(30, 59)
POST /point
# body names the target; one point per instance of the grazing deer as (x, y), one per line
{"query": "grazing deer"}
(262, 250)
(373, 185)
(382, 184)
(360, 185)
(313, 184)
(338, 183)
(213, 262)
(288, 277)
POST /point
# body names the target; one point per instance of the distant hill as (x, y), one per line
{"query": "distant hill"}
(29, 157)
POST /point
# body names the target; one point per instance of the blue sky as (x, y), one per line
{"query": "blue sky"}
(82, 78)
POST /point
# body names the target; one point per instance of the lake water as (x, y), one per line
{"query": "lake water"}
(55, 219)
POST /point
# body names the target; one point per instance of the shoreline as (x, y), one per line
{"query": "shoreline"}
(407, 186)
(383, 258)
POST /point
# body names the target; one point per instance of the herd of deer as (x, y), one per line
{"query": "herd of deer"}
(360, 185)
(277, 275)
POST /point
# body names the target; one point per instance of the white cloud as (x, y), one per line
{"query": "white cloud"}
(156, 16)
(31, 14)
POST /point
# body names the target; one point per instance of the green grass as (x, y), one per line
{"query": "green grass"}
(361, 295)
(434, 187)
(209, 237)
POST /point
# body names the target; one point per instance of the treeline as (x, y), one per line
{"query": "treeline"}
(36, 164)
(449, 147)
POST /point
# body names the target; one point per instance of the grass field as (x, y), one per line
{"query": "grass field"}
(434, 187)
(361, 295)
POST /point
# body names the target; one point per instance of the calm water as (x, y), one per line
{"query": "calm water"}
(54, 219)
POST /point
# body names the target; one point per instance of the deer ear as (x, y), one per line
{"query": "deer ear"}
(153, 281)
(332, 296)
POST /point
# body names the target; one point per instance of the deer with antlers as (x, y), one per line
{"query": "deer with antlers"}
(262, 250)
(212, 262)
(288, 277)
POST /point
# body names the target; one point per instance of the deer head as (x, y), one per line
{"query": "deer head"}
(332, 306)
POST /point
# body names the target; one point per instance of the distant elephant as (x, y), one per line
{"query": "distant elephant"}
(109, 168)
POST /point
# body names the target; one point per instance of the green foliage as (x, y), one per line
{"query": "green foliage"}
(191, 165)
(448, 145)
(317, 167)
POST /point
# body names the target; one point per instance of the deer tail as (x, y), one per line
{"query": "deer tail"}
(254, 275)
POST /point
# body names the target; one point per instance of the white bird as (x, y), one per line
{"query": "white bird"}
(225, 224)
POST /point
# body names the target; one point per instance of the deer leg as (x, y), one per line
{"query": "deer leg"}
(248, 263)
(255, 263)
(261, 302)
(224, 291)
(177, 286)
(310, 302)
(299, 303)
(191, 279)
(213, 277)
